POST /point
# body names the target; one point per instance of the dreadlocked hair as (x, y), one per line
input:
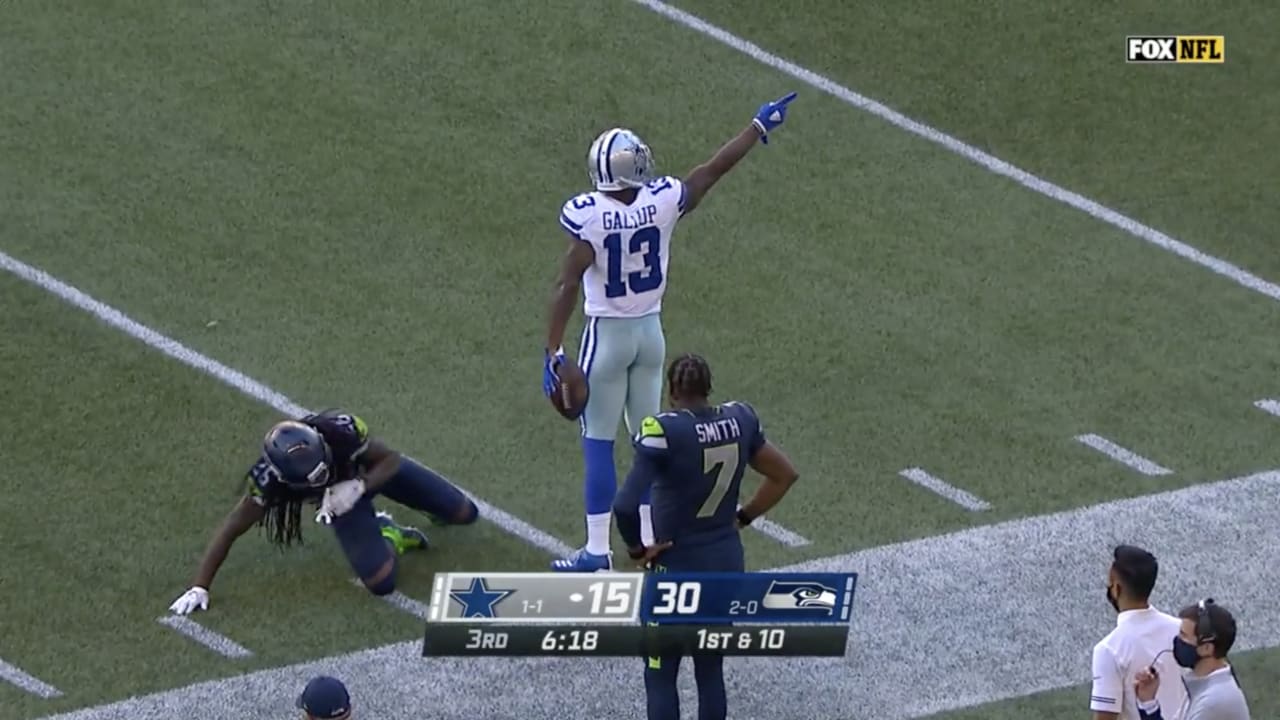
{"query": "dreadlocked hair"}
(283, 521)
(283, 518)
(689, 376)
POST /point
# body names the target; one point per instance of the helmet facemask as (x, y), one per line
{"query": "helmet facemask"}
(619, 160)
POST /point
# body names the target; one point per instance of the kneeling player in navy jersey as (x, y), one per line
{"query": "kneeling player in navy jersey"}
(330, 460)
(693, 458)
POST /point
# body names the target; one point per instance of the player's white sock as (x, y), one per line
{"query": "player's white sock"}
(598, 533)
(646, 524)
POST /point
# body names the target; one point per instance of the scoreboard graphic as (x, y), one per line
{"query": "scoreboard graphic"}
(639, 614)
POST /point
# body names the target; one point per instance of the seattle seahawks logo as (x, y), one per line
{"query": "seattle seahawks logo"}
(799, 595)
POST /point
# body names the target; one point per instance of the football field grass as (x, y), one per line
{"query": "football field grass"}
(355, 205)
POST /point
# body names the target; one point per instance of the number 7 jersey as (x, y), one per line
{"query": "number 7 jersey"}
(632, 245)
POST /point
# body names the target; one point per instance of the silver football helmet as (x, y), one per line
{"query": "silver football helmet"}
(618, 160)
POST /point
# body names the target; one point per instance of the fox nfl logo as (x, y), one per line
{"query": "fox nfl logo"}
(1175, 49)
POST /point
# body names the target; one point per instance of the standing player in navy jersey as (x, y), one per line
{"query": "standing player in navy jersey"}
(692, 459)
(330, 460)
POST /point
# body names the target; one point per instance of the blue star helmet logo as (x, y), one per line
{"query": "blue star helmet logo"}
(478, 600)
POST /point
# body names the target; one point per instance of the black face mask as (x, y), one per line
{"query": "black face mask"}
(1115, 601)
(1185, 653)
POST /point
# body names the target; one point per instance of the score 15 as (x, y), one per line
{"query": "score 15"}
(610, 598)
(677, 598)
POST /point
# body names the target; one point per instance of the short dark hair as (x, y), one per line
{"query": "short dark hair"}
(1222, 625)
(1137, 569)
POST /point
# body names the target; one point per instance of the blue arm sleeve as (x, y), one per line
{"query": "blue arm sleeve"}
(626, 504)
(1150, 715)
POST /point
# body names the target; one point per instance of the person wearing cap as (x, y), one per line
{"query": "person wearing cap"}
(325, 698)
(1213, 693)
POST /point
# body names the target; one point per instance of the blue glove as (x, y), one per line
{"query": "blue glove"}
(550, 379)
(771, 115)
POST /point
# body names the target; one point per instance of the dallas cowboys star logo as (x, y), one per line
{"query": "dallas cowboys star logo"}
(478, 600)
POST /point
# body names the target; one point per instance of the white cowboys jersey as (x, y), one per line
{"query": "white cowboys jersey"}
(632, 244)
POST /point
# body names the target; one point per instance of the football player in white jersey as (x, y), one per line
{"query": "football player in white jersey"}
(619, 247)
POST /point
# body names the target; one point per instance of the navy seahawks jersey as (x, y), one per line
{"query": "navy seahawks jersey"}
(697, 460)
(347, 437)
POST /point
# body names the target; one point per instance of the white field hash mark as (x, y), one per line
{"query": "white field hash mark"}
(1122, 455)
(1269, 406)
(777, 532)
(787, 537)
(239, 381)
(15, 676)
(222, 645)
(986, 160)
(960, 497)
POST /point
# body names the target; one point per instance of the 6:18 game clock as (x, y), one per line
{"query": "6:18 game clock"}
(574, 641)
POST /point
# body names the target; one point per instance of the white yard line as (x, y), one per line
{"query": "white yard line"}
(1123, 455)
(1270, 406)
(400, 601)
(220, 644)
(964, 499)
(239, 381)
(908, 596)
(279, 401)
(986, 160)
(15, 676)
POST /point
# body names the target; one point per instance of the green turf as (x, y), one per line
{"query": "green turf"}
(356, 204)
(1258, 672)
(123, 461)
(1045, 86)
(952, 320)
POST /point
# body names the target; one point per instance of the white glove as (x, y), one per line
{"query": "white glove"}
(339, 499)
(197, 598)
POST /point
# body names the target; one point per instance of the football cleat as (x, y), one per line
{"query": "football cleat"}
(582, 561)
(402, 537)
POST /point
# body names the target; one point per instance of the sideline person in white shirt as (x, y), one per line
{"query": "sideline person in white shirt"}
(1141, 639)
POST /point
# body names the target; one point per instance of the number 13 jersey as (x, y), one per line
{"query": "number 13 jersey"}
(632, 245)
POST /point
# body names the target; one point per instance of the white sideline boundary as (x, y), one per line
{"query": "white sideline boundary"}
(911, 597)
